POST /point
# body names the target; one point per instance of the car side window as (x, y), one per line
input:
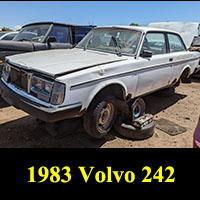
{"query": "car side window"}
(155, 42)
(175, 43)
(9, 37)
(62, 33)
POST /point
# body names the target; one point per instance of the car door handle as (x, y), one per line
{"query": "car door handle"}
(171, 59)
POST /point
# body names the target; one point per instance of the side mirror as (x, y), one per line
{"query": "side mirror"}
(51, 39)
(146, 54)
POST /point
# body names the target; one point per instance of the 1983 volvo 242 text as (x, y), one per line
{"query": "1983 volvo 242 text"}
(108, 68)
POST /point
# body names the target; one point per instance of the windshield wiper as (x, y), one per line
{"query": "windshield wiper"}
(117, 45)
(23, 39)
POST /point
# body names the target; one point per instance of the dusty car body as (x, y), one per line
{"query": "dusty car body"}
(109, 67)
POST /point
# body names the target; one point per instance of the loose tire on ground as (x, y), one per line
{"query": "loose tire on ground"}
(100, 116)
(129, 131)
(138, 108)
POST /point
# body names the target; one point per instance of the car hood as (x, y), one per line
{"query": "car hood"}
(62, 61)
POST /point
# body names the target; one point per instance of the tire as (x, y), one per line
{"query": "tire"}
(186, 80)
(100, 116)
(129, 131)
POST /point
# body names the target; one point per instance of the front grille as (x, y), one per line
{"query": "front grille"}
(18, 78)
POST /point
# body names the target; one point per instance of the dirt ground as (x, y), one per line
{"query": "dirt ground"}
(18, 129)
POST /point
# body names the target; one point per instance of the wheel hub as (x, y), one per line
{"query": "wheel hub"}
(106, 115)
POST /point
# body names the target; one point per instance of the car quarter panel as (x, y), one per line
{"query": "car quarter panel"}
(182, 61)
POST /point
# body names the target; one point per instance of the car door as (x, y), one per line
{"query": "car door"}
(179, 53)
(155, 72)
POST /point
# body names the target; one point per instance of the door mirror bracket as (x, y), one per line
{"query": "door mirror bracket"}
(146, 54)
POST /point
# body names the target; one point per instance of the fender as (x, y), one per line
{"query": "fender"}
(100, 87)
(185, 68)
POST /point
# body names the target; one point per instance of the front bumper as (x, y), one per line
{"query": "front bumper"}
(46, 114)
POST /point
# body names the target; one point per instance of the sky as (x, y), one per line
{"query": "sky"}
(98, 13)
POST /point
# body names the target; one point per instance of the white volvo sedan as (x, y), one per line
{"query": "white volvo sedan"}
(110, 67)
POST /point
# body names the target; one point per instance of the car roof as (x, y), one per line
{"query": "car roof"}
(11, 32)
(140, 28)
(4, 32)
(57, 23)
(7, 33)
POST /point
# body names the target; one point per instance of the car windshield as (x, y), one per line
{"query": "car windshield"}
(118, 41)
(35, 33)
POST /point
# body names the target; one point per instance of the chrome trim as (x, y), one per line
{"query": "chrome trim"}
(29, 78)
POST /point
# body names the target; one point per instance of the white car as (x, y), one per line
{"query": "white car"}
(7, 35)
(108, 68)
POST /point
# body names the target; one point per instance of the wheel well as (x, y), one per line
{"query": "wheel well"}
(115, 89)
(185, 73)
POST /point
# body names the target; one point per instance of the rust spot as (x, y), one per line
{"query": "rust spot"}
(81, 113)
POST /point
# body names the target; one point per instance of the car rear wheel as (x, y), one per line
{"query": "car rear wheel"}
(100, 116)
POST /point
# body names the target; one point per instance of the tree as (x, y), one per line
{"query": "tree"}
(134, 24)
(6, 29)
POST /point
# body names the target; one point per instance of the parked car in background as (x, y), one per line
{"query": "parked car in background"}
(195, 46)
(7, 35)
(108, 69)
(43, 36)
(196, 138)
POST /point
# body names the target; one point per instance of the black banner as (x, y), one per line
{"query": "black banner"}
(162, 168)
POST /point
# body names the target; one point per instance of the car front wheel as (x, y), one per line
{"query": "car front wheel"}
(100, 116)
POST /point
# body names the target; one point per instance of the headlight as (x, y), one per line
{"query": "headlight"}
(50, 92)
(41, 88)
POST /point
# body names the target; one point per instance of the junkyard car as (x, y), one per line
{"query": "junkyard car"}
(7, 35)
(43, 36)
(110, 67)
(196, 137)
(196, 47)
